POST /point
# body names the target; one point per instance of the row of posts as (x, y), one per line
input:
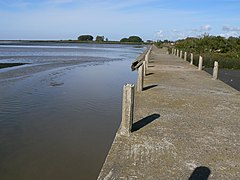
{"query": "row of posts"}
(179, 53)
(128, 97)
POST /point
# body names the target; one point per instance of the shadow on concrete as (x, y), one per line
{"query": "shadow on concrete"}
(145, 121)
(200, 173)
(151, 66)
(148, 74)
(149, 87)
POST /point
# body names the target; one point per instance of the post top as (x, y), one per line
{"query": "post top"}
(129, 85)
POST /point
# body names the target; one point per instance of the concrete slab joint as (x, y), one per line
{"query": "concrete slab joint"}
(127, 109)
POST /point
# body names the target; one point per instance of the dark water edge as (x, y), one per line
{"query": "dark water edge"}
(228, 76)
(6, 65)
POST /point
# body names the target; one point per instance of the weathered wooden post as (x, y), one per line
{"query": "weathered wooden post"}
(140, 79)
(200, 63)
(181, 54)
(127, 109)
(215, 70)
(185, 56)
(177, 52)
(144, 68)
(191, 62)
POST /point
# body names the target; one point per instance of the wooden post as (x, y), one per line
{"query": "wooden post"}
(200, 63)
(215, 70)
(185, 56)
(172, 50)
(127, 109)
(181, 54)
(191, 62)
(144, 68)
(140, 79)
(177, 52)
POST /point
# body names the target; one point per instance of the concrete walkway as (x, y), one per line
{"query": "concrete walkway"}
(186, 126)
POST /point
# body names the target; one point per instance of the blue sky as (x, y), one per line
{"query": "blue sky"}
(149, 19)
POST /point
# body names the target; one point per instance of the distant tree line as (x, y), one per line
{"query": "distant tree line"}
(90, 38)
(131, 39)
(214, 48)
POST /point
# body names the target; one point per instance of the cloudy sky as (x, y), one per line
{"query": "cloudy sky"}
(149, 19)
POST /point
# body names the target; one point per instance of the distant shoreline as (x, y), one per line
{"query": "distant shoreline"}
(70, 41)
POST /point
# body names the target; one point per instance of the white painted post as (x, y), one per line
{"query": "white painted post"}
(185, 56)
(144, 68)
(127, 109)
(172, 50)
(200, 63)
(177, 52)
(215, 70)
(191, 62)
(140, 79)
(181, 54)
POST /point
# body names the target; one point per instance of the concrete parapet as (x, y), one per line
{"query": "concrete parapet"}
(127, 109)
(191, 61)
(215, 70)
(185, 56)
(140, 79)
(200, 63)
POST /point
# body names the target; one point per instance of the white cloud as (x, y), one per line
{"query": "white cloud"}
(230, 28)
(230, 31)
(160, 34)
(205, 28)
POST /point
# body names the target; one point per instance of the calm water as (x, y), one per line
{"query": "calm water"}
(59, 114)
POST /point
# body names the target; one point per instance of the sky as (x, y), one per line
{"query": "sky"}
(115, 19)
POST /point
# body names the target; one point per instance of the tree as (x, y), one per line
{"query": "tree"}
(100, 38)
(135, 39)
(132, 39)
(85, 38)
(124, 40)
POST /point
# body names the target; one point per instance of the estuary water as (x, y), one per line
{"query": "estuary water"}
(60, 112)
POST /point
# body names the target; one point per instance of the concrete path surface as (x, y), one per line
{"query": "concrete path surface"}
(186, 126)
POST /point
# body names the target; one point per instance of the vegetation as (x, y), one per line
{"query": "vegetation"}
(132, 39)
(100, 38)
(213, 48)
(85, 38)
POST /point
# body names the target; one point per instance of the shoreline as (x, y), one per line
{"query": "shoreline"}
(70, 41)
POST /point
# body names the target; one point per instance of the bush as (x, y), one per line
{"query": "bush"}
(85, 38)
